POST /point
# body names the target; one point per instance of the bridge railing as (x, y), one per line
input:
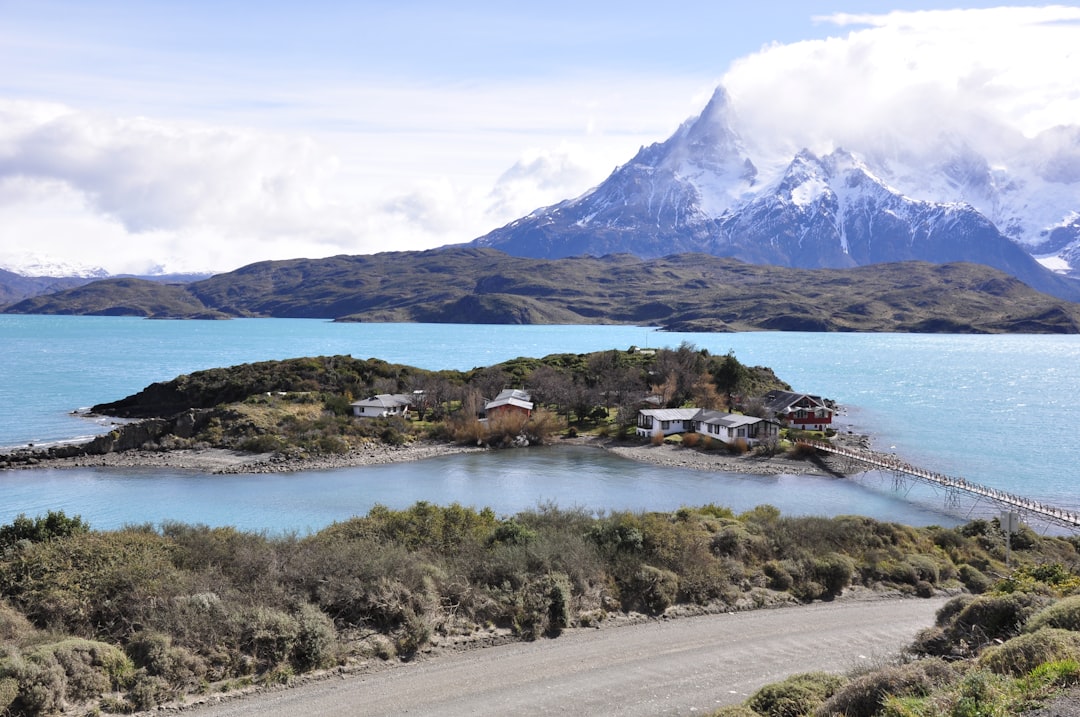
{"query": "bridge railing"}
(889, 462)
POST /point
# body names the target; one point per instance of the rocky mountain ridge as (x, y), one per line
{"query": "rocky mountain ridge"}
(702, 191)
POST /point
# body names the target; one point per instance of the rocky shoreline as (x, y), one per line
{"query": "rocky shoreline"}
(224, 461)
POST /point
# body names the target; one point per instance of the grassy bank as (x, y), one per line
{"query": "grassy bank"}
(128, 619)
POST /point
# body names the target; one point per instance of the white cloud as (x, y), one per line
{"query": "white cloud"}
(219, 176)
(979, 75)
(539, 178)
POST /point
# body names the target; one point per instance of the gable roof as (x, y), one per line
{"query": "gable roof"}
(778, 402)
(729, 420)
(672, 414)
(510, 397)
(385, 400)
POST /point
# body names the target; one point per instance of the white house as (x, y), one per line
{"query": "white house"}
(665, 420)
(726, 427)
(382, 405)
(729, 427)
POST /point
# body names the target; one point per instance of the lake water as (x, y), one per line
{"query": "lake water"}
(998, 410)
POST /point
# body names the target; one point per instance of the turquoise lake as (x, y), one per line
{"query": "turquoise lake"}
(998, 410)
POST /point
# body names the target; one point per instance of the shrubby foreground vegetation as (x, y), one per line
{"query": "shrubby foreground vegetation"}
(124, 620)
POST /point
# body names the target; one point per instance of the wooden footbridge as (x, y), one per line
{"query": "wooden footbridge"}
(1031, 508)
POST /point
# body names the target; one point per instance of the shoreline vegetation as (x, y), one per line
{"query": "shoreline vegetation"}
(133, 619)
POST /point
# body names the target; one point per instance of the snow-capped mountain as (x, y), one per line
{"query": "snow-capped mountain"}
(701, 191)
(42, 266)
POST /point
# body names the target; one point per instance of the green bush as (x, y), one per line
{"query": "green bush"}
(974, 580)
(269, 636)
(779, 577)
(796, 696)
(652, 589)
(834, 572)
(55, 524)
(41, 681)
(864, 696)
(316, 639)
(1064, 614)
(155, 654)
(90, 668)
(15, 629)
(1022, 654)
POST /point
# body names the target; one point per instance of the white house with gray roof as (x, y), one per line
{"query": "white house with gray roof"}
(726, 427)
(665, 420)
(382, 405)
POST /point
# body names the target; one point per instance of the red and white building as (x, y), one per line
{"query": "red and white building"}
(799, 410)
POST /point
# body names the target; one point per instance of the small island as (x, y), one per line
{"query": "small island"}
(335, 411)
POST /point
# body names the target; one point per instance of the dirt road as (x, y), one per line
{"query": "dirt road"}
(675, 667)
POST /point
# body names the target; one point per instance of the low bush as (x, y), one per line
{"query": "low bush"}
(969, 624)
(90, 668)
(651, 589)
(1022, 654)
(974, 580)
(796, 696)
(834, 572)
(1064, 614)
(865, 696)
(41, 682)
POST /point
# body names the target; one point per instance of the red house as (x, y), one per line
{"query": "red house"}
(798, 410)
(509, 401)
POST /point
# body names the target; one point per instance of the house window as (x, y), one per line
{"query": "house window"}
(665, 424)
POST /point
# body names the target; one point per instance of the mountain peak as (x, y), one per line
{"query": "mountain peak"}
(700, 191)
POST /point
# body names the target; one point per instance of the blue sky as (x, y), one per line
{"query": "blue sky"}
(206, 135)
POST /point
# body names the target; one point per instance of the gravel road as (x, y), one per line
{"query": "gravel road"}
(684, 666)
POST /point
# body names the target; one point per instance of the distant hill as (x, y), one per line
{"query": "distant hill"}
(684, 292)
(15, 287)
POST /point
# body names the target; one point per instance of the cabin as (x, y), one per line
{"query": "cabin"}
(666, 421)
(799, 410)
(383, 405)
(726, 427)
(730, 427)
(510, 401)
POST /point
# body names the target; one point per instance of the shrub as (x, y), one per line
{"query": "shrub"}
(969, 624)
(55, 524)
(155, 655)
(90, 668)
(41, 683)
(834, 572)
(316, 639)
(779, 577)
(15, 629)
(148, 692)
(734, 711)
(865, 695)
(796, 696)
(270, 636)
(652, 589)
(1064, 614)
(974, 580)
(1022, 654)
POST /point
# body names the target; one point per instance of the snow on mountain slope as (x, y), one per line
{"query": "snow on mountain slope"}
(700, 190)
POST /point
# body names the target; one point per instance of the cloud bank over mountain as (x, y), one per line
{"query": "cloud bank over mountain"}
(426, 165)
